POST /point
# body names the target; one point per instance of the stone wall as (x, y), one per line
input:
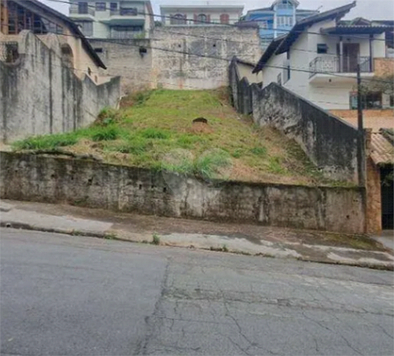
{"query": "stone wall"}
(94, 184)
(179, 57)
(329, 142)
(128, 59)
(40, 93)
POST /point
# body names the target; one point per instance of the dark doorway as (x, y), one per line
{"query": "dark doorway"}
(351, 52)
(386, 178)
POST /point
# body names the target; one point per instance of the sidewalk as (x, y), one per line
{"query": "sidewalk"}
(304, 245)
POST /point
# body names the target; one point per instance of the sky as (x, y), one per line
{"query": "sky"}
(370, 9)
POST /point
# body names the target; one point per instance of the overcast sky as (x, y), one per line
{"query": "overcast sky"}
(370, 9)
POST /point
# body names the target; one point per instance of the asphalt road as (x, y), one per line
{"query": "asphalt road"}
(63, 295)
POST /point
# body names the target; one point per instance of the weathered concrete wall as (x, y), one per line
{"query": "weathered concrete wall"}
(40, 93)
(329, 142)
(179, 57)
(94, 184)
(124, 58)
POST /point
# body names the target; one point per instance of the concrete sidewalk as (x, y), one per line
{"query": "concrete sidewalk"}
(236, 238)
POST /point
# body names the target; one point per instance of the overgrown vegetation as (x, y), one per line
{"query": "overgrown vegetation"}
(154, 129)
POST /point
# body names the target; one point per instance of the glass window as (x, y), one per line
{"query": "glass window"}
(322, 48)
(178, 19)
(113, 6)
(100, 6)
(202, 18)
(82, 7)
(224, 18)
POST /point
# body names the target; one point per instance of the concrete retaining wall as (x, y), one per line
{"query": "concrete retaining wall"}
(94, 184)
(40, 94)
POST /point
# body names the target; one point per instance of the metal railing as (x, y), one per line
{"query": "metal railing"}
(333, 64)
(124, 12)
(82, 10)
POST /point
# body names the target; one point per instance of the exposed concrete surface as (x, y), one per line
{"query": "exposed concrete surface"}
(386, 239)
(237, 238)
(65, 295)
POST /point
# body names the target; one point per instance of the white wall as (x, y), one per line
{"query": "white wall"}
(214, 14)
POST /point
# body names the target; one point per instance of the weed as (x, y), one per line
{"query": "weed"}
(214, 164)
(110, 236)
(237, 153)
(155, 133)
(259, 151)
(275, 165)
(76, 233)
(155, 239)
(46, 142)
(225, 248)
(105, 134)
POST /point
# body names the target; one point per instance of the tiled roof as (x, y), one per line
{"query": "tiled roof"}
(382, 150)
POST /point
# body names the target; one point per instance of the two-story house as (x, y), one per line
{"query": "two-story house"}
(199, 15)
(113, 19)
(277, 19)
(318, 59)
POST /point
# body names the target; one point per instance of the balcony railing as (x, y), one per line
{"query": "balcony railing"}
(333, 64)
(124, 12)
(82, 11)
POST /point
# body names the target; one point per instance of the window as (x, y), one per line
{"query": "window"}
(178, 19)
(129, 12)
(285, 4)
(113, 6)
(371, 100)
(322, 48)
(202, 18)
(67, 55)
(100, 6)
(224, 18)
(98, 50)
(263, 24)
(391, 101)
(86, 27)
(82, 8)
(284, 21)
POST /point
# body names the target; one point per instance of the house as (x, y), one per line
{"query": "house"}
(32, 15)
(51, 77)
(318, 59)
(113, 19)
(200, 15)
(277, 19)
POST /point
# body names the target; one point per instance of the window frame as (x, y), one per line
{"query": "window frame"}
(101, 6)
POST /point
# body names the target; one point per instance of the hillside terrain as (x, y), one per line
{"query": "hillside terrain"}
(155, 129)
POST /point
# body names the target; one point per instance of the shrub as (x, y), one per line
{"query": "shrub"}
(155, 133)
(105, 134)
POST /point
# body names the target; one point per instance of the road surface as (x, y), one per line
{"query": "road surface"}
(63, 295)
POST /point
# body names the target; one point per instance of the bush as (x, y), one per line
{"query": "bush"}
(46, 142)
(105, 134)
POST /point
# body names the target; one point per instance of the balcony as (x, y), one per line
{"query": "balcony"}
(125, 16)
(326, 66)
(82, 13)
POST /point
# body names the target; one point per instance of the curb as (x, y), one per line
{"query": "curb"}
(111, 235)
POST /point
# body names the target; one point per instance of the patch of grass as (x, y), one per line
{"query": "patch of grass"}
(108, 133)
(225, 248)
(155, 239)
(46, 142)
(259, 151)
(110, 236)
(275, 165)
(213, 164)
(237, 153)
(155, 133)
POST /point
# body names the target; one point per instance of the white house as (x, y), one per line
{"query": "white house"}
(318, 59)
(113, 19)
(200, 14)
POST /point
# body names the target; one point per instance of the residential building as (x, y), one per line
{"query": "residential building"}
(33, 15)
(51, 77)
(113, 19)
(200, 15)
(277, 19)
(318, 59)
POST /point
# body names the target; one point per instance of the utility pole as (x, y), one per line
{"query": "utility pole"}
(361, 138)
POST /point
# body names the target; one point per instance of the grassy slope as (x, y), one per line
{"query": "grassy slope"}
(154, 129)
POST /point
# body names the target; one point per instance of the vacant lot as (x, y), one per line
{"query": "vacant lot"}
(155, 130)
